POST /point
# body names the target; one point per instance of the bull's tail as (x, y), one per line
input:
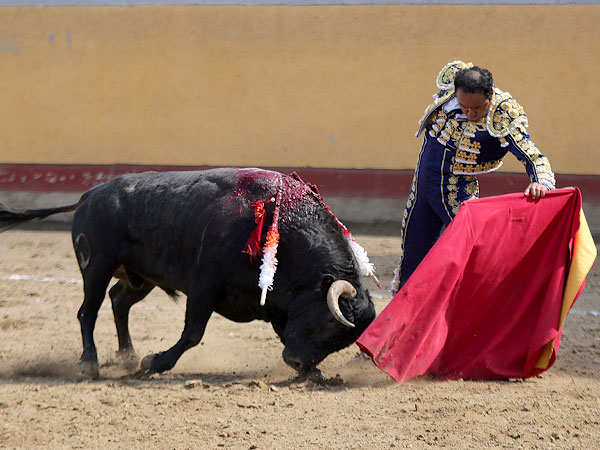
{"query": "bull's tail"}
(10, 218)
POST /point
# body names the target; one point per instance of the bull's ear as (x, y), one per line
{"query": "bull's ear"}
(327, 281)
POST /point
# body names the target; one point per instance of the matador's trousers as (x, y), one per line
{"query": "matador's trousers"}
(435, 197)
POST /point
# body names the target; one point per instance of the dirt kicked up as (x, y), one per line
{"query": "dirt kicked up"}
(234, 391)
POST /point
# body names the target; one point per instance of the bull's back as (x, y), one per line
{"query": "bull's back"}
(142, 202)
(162, 224)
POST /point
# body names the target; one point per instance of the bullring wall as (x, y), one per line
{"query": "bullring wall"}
(333, 90)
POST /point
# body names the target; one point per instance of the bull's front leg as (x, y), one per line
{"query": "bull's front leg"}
(198, 310)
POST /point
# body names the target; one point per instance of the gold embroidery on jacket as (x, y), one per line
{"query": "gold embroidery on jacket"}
(445, 79)
(450, 130)
(531, 153)
(459, 168)
(505, 115)
(472, 187)
(445, 84)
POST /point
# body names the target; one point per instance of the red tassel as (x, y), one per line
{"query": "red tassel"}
(253, 247)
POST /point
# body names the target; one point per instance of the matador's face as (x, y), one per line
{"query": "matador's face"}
(473, 104)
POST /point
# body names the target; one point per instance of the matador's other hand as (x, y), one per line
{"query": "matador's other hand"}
(536, 190)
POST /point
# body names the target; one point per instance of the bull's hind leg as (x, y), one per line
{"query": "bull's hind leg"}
(123, 297)
(96, 277)
(198, 310)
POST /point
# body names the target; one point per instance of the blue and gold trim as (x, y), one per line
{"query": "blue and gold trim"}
(505, 115)
(445, 83)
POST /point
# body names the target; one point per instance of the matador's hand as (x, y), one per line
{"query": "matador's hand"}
(536, 190)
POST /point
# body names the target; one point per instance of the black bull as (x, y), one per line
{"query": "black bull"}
(186, 231)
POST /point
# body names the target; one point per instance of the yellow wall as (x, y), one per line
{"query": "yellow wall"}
(321, 86)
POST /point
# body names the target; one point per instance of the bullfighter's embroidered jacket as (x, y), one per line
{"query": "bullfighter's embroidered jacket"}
(454, 150)
(481, 146)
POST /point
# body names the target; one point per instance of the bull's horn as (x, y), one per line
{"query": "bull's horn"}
(346, 290)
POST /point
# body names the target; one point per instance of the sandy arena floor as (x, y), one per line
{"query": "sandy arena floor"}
(233, 391)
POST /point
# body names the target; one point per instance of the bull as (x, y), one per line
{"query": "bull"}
(195, 233)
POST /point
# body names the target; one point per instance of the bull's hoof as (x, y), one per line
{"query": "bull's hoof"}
(145, 368)
(89, 369)
(155, 363)
(146, 364)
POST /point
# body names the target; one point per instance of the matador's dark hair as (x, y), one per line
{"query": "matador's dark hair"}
(475, 80)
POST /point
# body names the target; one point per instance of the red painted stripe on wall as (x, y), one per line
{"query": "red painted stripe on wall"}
(364, 183)
(79, 178)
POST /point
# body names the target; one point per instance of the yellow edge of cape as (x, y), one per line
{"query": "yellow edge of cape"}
(584, 254)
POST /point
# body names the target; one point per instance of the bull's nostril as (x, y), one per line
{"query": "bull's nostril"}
(293, 362)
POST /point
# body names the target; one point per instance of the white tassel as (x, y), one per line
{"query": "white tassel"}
(365, 267)
(269, 260)
(267, 271)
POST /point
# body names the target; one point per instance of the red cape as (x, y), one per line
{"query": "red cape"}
(489, 299)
